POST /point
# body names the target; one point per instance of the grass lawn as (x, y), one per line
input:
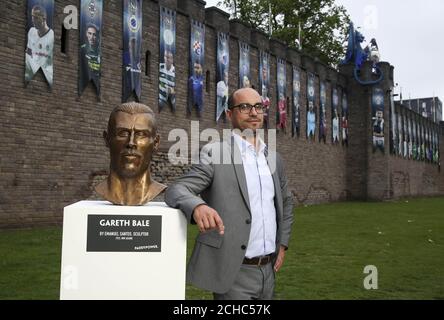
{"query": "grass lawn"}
(330, 246)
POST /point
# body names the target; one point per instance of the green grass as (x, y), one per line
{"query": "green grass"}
(330, 246)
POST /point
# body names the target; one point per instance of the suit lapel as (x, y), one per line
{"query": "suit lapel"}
(236, 159)
(276, 182)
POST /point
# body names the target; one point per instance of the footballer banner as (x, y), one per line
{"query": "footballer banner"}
(378, 119)
(296, 124)
(281, 113)
(167, 53)
(40, 40)
(322, 112)
(422, 138)
(132, 49)
(393, 127)
(264, 81)
(415, 139)
(405, 137)
(400, 134)
(90, 44)
(335, 115)
(244, 65)
(410, 138)
(311, 113)
(195, 81)
(344, 121)
(222, 72)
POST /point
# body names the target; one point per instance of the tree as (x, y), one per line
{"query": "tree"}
(323, 23)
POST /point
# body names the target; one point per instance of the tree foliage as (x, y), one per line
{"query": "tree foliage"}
(323, 23)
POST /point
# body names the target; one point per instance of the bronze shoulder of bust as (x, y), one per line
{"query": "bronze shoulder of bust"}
(128, 197)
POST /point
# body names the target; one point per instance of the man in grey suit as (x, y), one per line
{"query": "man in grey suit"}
(243, 208)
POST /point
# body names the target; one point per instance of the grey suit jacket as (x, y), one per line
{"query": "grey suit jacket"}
(216, 259)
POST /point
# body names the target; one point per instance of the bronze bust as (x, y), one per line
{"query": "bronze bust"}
(132, 139)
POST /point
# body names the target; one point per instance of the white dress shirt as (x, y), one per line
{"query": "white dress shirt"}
(261, 193)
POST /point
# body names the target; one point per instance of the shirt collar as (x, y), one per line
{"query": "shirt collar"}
(243, 144)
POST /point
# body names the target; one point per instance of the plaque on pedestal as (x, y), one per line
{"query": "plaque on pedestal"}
(123, 252)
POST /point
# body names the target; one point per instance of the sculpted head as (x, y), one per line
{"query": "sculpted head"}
(132, 140)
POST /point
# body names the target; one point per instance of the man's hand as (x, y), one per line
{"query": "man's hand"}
(208, 219)
(279, 259)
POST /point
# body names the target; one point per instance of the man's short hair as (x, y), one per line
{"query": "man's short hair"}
(92, 25)
(131, 108)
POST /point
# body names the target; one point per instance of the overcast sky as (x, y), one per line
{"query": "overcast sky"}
(410, 36)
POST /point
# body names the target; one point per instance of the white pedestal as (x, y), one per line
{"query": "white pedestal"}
(114, 264)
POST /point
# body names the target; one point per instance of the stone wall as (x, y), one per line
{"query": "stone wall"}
(51, 146)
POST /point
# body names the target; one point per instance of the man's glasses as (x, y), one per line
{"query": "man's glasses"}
(246, 108)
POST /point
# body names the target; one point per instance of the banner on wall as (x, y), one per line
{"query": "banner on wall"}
(410, 145)
(406, 136)
(418, 140)
(393, 127)
(344, 120)
(281, 81)
(222, 72)
(429, 144)
(422, 148)
(433, 145)
(423, 108)
(422, 154)
(90, 44)
(167, 53)
(419, 145)
(39, 51)
(296, 124)
(405, 148)
(132, 49)
(322, 112)
(197, 55)
(264, 80)
(244, 65)
(414, 140)
(311, 112)
(428, 139)
(400, 133)
(378, 119)
(426, 142)
(335, 115)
